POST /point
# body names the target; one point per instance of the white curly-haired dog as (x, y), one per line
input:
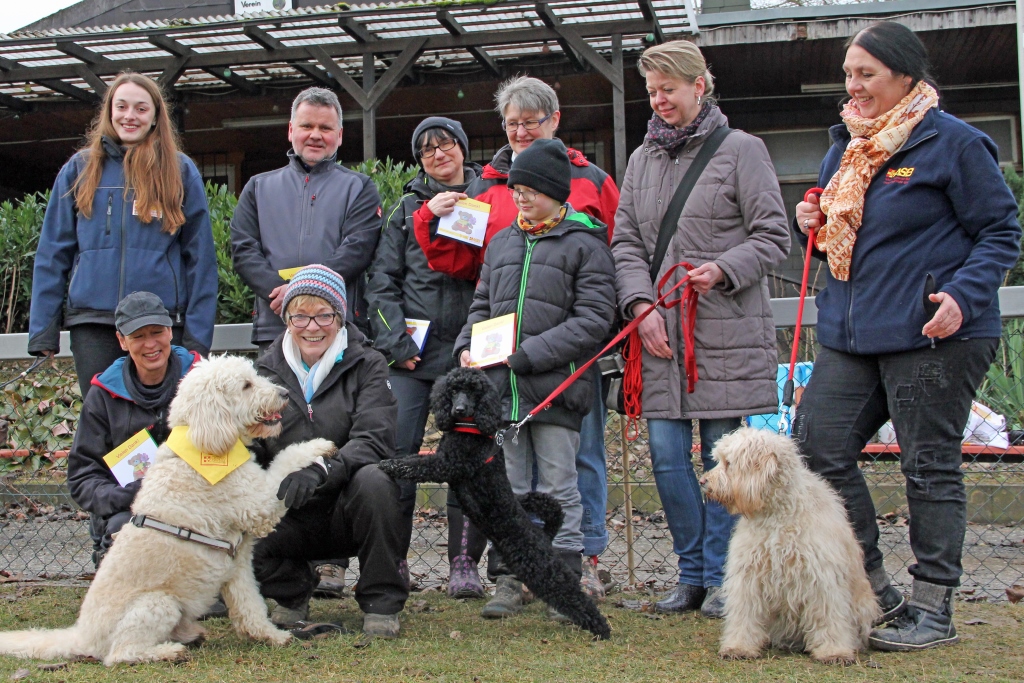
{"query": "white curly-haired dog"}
(794, 575)
(152, 586)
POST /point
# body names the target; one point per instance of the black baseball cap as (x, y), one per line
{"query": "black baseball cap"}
(139, 309)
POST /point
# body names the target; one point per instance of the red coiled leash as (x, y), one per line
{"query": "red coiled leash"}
(632, 383)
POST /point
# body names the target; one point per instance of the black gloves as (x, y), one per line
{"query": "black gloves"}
(298, 487)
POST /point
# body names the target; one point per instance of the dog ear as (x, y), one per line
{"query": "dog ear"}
(487, 410)
(753, 472)
(201, 404)
(441, 402)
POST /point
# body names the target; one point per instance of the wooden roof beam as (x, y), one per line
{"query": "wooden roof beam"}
(573, 43)
(398, 69)
(357, 31)
(170, 45)
(452, 25)
(7, 64)
(75, 50)
(13, 103)
(348, 83)
(57, 85)
(272, 44)
(173, 72)
(99, 86)
(554, 23)
(647, 9)
(231, 78)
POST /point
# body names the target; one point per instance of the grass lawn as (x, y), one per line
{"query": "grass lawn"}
(444, 640)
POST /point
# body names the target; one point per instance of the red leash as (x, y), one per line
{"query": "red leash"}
(632, 354)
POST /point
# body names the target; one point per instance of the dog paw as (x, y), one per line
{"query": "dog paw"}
(322, 447)
(392, 468)
(738, 653)
(840, 657)
(274, 636)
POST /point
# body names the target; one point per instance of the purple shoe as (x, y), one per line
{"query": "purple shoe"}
(464, 579)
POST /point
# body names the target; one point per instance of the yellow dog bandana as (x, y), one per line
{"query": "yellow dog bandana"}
(213, 467)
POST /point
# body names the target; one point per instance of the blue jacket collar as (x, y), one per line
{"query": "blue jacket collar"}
(112, 379)
(925, 129)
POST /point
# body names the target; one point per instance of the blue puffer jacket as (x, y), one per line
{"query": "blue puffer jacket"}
(940, 206)
(96, 261)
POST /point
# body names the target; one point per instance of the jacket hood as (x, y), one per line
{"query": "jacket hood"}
(576, 221)
(418, 184)
(112, 148)
(112, 379)
(502, 162)
(295, 162)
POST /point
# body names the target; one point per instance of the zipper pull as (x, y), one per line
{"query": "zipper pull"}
(309, 408)
(110, 205)
(177, 317)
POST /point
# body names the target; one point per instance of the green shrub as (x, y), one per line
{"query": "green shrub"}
(19, 234)
(390, 177)
(234, 298)
(1003, 388)
(1016, 183)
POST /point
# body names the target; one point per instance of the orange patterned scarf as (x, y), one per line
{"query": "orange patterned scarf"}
(873, 142)
(538, 229)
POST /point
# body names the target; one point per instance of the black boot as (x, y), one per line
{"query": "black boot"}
(685, 598)
(890, 601)
(927, 622)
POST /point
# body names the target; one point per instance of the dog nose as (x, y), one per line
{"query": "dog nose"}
(282, 392)
(703, 481)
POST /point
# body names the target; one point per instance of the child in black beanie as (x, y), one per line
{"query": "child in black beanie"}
(552, 267)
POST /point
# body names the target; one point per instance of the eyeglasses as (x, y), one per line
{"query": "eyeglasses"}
(429, 151)
(532, 124)
(528, 195)
(301, 322)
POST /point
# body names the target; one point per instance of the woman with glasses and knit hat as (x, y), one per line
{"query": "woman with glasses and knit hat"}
(338, 389)
(529, 112)
(401, 286)
(918, 228)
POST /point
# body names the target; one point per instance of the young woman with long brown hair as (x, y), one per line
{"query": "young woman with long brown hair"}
(128, 213)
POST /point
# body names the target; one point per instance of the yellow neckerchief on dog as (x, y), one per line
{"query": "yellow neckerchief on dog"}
(213, 467)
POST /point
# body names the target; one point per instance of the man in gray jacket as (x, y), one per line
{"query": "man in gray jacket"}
(311, 211)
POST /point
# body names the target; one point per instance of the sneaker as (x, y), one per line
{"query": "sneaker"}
(288, 617)
(591, 582)
(926, 623)
(713, 606)
(893, 604)
(381, 626)
(464, 579)
(556, 616)
(685, 598)
(507, 600)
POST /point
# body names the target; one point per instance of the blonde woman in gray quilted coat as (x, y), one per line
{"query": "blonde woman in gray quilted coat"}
(733, 230)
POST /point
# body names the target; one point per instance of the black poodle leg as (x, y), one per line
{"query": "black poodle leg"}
(418, 468)
(546, 508)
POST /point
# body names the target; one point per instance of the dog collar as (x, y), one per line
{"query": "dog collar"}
(469, 428)
(142, 521)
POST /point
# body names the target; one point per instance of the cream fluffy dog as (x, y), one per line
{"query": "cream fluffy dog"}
(151, 587)
(794, 575)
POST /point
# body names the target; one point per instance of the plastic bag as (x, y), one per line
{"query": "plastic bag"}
(986, 427)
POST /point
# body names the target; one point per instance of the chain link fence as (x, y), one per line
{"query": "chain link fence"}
(44, 534)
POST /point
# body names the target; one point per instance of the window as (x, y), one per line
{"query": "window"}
(219, 169)
(1003, 131)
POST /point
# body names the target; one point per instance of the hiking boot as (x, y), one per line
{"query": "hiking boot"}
(927, 622)
(381, 626)
(892, 603)
(332, 582)
(215, 611)
(288, 617)
(591, 582)
(464, 579)
(507, 600)
(556, 616)
(685, 598)
(713, 606)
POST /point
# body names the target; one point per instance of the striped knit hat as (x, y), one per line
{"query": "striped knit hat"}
(319, 281)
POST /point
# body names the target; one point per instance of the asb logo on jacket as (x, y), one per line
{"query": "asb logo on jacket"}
(899, 175)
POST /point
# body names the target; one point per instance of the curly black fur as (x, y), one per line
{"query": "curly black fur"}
(474, 467)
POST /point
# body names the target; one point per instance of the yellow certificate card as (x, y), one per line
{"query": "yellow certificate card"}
(131, 460)
(288, 273)
(492, 341)
(212, 466)
(467, 223)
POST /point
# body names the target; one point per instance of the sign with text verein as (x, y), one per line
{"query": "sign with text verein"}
(247, 6)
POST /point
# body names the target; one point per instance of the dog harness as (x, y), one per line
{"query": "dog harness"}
(142, 521)
(469, 427)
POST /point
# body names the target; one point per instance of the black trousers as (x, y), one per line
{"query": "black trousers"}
(94, 347)
(102, 530)
(364, 521)
(927, 393)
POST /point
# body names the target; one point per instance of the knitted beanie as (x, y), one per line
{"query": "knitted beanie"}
(319, 281)
(543, 166)
(454, 128)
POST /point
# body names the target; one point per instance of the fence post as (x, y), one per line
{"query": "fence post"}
(627, 491)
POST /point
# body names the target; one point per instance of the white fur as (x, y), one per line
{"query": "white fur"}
(152, 587)
(794, 576)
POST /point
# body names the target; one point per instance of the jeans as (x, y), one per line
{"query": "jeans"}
(927, 393)
(592, 472)
(700, 531)
(552, 448)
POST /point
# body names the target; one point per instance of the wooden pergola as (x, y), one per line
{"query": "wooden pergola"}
(364, 50)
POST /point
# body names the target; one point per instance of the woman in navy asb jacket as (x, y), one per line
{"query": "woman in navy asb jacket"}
(127, 213)
(920, 231)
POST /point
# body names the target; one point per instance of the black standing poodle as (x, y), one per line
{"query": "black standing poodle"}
(467, 410)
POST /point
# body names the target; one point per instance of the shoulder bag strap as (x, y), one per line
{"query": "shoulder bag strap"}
(670, 222)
